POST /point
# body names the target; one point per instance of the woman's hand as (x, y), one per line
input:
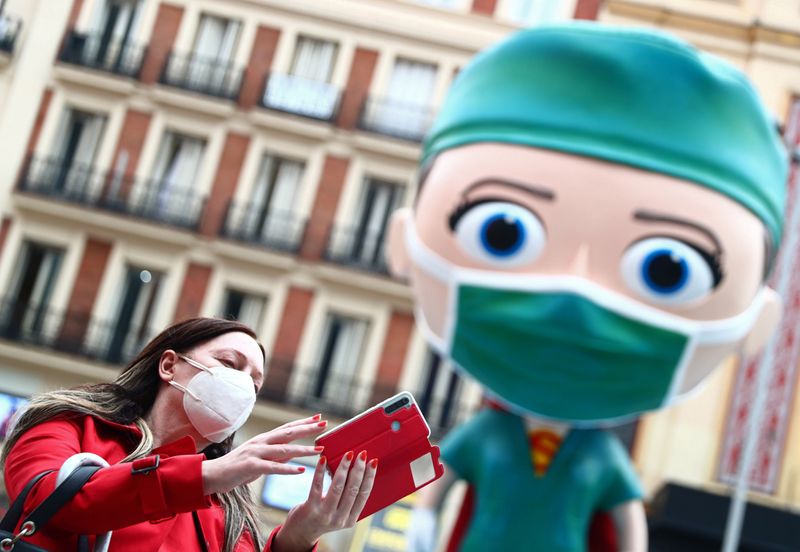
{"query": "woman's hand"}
(337, 509)
(263, 454)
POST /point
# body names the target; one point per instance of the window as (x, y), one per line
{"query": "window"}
(269, 216)
(174, 176)
(247, 308)
(440, 395)
(209, 68)
(405, 111)
(115, 23)
(306, 89)
(215, 39)
(535, 12)
(130, 328)
(379, 199)
(338, 359)
(68, 169)
(30, 291)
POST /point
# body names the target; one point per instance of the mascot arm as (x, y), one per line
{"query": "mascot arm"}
(631, 526)
(423, 531)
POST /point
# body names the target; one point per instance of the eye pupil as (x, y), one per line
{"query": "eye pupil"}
(502, 235)
(664, 271)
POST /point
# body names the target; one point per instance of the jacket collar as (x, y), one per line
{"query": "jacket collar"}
(184, 445)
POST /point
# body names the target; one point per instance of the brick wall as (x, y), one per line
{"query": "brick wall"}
(588, 9)
(84, 292)
(320, 222)
(193, 291)
(228, 171)
(257, 69)
(131, 140)
(484, 7)
(287, 342)
(4, 227)
(33, 139)
(165, 29)
(393, 357)
(358, 83)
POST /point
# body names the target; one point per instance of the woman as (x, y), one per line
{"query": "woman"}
(166, 426)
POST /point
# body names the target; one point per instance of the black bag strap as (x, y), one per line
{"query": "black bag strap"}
(61, 495)
(11, 519)
(199, 529)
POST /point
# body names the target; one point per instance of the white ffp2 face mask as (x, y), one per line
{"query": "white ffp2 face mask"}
(217, 400)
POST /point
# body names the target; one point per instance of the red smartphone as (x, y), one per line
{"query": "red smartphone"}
(396, 433)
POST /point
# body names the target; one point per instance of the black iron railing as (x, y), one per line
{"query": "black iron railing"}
(9, 31)
(70, 332)
(100, 52)
(253, 223)
(358, 247)
(396, 119)
(208, 76)
(153, 200)
(117, 342)
(306, 387)
(345, 396)
(299, 96)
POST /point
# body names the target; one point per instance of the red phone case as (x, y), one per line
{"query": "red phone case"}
(396, 449)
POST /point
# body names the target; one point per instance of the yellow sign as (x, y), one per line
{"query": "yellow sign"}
(385, 531)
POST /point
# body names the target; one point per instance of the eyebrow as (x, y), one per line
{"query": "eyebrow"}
(533, 189)
(651, 216)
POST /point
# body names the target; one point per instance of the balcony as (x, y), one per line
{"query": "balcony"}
(298, 96)
(398, 120)
(73, 333)
(345, 396)
(80, 184)
(9, 31)
(101, 53)
(207, 76)
(357, 247)
(254, 224)
(117, 343)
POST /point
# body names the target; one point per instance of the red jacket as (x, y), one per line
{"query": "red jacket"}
(147, 511)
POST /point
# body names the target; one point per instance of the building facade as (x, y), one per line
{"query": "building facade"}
(173, 158)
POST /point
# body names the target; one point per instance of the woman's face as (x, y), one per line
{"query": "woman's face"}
(234, 350)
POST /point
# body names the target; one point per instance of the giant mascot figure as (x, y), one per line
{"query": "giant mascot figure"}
(598, 210)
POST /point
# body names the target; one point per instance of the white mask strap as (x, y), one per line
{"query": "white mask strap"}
(430, 261)
(180, 387)
(194, 363)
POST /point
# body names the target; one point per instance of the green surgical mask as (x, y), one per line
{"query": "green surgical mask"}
(564, 347)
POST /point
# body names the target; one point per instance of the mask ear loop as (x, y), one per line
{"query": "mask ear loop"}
(195, 364)
(184, 389)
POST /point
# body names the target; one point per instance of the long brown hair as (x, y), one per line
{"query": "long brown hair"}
(131, 396)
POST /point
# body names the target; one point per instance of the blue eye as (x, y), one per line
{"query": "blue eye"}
(500, 233)
(667, 271)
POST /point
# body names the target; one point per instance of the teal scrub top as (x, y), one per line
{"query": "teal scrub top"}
(514, 509)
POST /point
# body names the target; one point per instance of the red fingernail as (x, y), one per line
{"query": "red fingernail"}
(322, 424)
(322, 461)
(319, 449)
(362, 455)
(349, 456)
(300, 469)
(373, 463)
(316, 417)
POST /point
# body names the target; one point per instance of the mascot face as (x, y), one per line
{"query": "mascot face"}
(598, 209)
(579, 289)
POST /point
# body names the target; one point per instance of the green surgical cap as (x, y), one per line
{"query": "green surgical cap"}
(629, 96)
